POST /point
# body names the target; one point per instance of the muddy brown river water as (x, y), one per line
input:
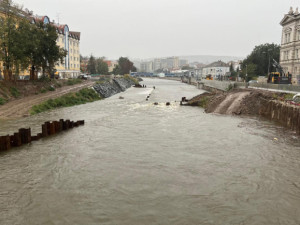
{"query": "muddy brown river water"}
(137, 163)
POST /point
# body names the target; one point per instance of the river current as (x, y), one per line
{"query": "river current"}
(137, 163)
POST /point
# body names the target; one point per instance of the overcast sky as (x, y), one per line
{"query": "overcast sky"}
(157, 28)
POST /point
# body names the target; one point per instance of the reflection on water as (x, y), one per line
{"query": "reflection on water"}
(137, 163)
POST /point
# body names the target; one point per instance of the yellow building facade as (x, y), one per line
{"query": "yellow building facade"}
(68, 40)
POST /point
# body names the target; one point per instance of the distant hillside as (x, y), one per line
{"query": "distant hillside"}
(207, 59)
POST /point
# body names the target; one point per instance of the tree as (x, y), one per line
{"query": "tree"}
(101, 66)
(44, 51)
(260, 57)
(23, 43)
(91, 67)
(8, 27)
(124, 66)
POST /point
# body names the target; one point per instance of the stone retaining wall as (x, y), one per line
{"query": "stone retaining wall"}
(117, 85)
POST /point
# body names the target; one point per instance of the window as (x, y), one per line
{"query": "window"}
(298, 35)
(297, 54)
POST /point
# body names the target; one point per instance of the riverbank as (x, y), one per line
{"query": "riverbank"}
(109, 88)
(20, 105)
(252, 102)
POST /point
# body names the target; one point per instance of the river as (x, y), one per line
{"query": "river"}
(137, 163)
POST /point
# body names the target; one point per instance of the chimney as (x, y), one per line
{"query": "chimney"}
(291, 12)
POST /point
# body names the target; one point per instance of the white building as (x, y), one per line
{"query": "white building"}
(217, 70)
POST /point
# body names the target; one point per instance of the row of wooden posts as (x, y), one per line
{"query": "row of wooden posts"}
(24, 135)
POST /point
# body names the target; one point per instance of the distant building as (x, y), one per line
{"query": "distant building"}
(146, 67)
(290, 44)
(111, 65)
(183, 62)
(217, 70)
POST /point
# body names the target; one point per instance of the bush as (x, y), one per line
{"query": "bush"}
(51, 88)
(73, 81)
(14, 92)
(43, 90)
(83, 96)
(128, 77)
(2, 101)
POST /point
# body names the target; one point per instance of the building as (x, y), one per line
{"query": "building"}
(146, 67)
(68, 40)
(217, 70)
(290, 45)
(111, 65)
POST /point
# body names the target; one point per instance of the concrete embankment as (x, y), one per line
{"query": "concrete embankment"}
(251, 102)
(117, 85)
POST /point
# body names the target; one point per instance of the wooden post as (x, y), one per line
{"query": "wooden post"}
(52, 128)
(25, 135)
(17, 139)
(44, 130)
(5, 143)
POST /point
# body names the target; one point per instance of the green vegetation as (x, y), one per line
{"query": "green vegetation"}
(203, 102)
(288, 96)
(14, 92)
(124, 66)
(230, 87)
(24, 44)
(83, 96)
(2, 101)
(128, 77)
(97, 65)
(257, 63)
(51, 88)
(43, 90)
(73, 81)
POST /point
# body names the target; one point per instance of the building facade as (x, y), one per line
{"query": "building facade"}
(68, 40)
(290, 45)
(217, 70)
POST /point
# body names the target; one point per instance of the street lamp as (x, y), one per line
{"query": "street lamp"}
(269, 60)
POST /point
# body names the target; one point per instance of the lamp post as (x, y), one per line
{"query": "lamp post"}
(268, 59)
(246, 83)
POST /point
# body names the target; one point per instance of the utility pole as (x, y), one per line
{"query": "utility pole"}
(246, 83)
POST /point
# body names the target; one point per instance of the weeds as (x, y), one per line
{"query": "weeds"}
(128, 77)
(83, 96)
(73, 81)
(14, 92)
(2, 101)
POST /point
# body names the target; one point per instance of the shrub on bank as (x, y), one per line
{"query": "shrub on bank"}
(128, 77)
(14, 92)
(73, 81)
(83, 96)
(2, 101)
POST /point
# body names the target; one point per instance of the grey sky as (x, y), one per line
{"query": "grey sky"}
(156, 28)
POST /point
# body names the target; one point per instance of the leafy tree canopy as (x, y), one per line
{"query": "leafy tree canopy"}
(260, 59)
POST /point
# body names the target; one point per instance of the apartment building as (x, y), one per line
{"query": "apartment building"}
(68, 40)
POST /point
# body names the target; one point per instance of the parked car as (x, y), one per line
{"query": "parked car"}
(83, 76)
(296, 99)
(253, 82)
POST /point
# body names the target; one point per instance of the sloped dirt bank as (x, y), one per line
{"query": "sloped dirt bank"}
(21, 106)
(267, 104)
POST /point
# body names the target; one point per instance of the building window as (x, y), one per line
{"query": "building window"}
(298, 35)
(297, 54)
